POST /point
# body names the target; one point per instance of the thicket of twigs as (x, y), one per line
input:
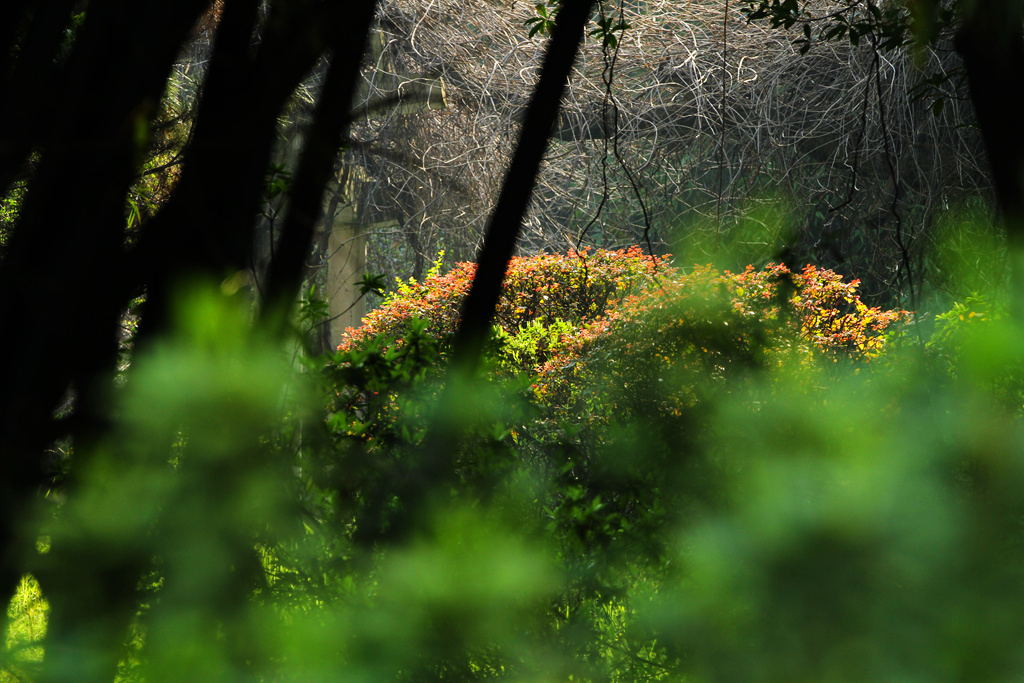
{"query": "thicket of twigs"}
(695, 117)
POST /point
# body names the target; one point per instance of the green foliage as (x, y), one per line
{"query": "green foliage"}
(965, 316)
(977, 328)
(532, 343)
(278, 182)
(371, 284)
(741, 480)
(858, 535)
(605, 25)
(312, 309)
(544, 22)
(27, 619)
(365, 384)
(887, 24)
(10, 207)
(970, 254)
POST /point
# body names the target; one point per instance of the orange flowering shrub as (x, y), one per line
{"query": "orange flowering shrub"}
(708, 321)
(561, 308)
(560, 292)
(831, 315)
(624, 352)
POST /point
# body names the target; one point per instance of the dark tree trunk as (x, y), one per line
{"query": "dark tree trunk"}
(331, 121)
(206, 228)
(30, 80)
(60, 290)
(67, 274)
(68, 250)
(991, 44)
(506, 220)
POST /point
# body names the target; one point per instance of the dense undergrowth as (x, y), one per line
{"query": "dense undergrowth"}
(661, 474)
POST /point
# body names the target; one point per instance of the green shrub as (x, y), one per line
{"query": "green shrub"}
(760, 500)
(978, 328)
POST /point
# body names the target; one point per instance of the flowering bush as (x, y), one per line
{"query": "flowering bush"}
(627, 356)
(714, 320)
(544, 298)
(395, 353)
(557, 310)
(832, 316)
